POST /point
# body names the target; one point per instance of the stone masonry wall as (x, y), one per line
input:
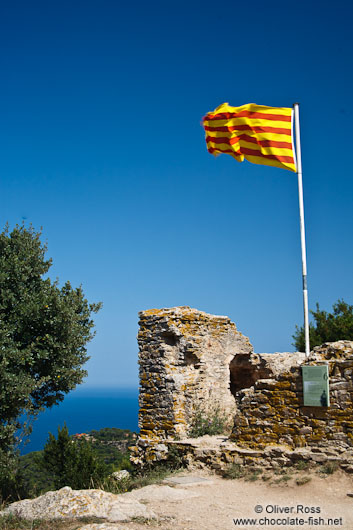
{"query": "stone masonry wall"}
(272, 410)
(191, 361)
(184, 363)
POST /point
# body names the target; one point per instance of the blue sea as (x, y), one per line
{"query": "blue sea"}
(85, 409)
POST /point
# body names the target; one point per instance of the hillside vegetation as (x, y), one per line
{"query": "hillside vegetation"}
(110, 447)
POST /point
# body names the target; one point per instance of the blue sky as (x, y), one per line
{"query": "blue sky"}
(101, 145)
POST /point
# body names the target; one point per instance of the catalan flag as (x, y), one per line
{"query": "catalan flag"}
(260, 134)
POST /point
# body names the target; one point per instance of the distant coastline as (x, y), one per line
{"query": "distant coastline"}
(84, 409)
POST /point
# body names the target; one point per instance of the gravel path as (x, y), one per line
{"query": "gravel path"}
(217, 503)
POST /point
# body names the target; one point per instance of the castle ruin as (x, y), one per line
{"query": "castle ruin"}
(192, 362)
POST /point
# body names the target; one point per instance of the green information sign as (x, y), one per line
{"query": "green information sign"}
(315, 386)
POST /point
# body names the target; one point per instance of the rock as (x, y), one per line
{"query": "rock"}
(102, 526)
(162, 448)
(334, 459)
(189, 480)
(306, 430)
(282, 461)
(300, 454)
(160, 493)
(120, 475)
(340, 385)
(262, 384)
(317, 457)
(274, 451)
(249, 452)
(68, 503)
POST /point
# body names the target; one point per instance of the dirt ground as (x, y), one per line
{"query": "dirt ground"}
(321, 502)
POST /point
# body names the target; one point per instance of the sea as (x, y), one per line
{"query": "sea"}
(83, 410)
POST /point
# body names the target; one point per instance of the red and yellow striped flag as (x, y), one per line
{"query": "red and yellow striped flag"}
(262, 135)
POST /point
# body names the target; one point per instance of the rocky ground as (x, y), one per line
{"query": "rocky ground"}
(217, 503)
(203, 501)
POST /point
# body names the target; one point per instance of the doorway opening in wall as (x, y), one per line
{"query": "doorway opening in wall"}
(244, 373)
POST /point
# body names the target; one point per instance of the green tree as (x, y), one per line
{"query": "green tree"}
(328, 327)
(71, 462)
(44, 330)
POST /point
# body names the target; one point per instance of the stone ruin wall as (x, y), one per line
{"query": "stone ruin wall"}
(184, 367)
(272, 410)
(191, 361)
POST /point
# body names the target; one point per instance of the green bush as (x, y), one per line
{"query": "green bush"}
(72, 463)
(208, 422)
(27, 476)
(233, 471)
(35, 478)
(112, 457)
(302, 464)
(328, 327)
(329, 468)
(300, 481)
(11, 478)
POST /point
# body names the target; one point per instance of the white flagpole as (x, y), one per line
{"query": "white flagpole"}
(302, 229)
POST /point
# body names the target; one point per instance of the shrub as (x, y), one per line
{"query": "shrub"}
(253, 475)
(150, 475)
(328, 327)
(72, 463)
(302, 464)
(11, 479)
(233, 471)
(329, 468)
(208, 422)
(300, 481)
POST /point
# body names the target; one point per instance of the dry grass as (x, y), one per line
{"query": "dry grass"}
(11, 522)
(300, 481)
